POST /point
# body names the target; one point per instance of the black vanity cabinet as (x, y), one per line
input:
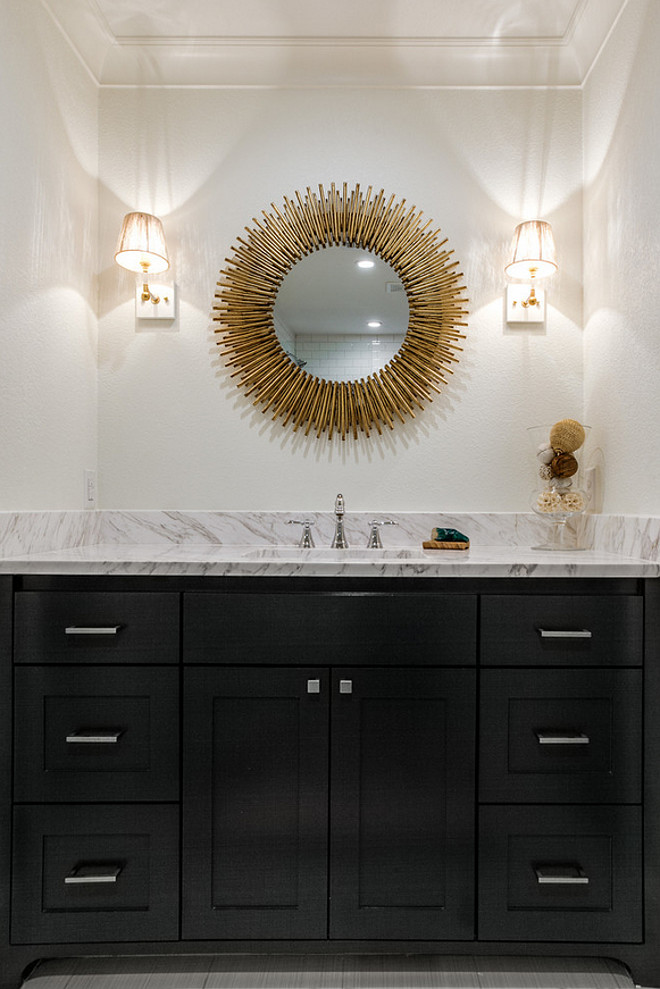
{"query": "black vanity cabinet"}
(560, 787)
(328, 803)
(329, 765)
(96, 767)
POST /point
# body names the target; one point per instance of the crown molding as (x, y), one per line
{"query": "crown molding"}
(341, 60)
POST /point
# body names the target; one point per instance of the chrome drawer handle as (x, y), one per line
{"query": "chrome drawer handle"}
(313, 686)
(561, 875)
(574, 633)
(90, 736)
(562, 738)
(83, 875)
(92, 630)
(345, 686)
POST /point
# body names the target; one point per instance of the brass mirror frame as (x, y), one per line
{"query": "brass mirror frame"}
(248, 288)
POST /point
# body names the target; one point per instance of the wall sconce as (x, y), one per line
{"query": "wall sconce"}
(141, 248)
(533, 258)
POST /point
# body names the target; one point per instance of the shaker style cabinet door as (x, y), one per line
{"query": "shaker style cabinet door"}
(402, 805)
(255, 813)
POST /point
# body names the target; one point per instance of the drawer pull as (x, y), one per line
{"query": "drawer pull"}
(561, 875)
(92, 630)
(564, 633)
(345, 686)
(84, 875)
(91, 736)
(313, 686)
(562, 738)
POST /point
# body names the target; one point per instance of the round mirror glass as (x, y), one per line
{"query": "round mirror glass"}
(341, 313)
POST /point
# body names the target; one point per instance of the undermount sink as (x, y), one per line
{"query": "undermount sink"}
(317, 553)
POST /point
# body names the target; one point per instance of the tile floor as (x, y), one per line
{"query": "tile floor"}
(328, 972)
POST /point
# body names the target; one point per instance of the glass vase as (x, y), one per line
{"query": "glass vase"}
(559, 495)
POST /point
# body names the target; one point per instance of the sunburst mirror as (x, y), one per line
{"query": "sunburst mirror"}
(258, 328)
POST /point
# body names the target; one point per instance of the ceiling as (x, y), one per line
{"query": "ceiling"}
(303, 43)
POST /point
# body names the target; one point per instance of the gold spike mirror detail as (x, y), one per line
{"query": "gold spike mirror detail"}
(248, 287)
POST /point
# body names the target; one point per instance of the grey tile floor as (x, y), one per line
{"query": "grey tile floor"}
(328, 972)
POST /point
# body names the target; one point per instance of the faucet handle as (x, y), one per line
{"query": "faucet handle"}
(375, 542)
(306, 541)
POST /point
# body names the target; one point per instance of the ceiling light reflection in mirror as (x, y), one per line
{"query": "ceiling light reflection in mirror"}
(341, 313)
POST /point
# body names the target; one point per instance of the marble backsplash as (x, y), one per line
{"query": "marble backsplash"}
(22, 533)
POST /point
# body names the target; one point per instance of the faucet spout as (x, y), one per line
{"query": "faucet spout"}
(339, 540)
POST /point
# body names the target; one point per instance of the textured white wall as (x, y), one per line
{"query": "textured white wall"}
(622, 247)
(48, 240)
(174, 432)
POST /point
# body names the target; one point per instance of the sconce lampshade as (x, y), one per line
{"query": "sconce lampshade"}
(141, 244)
(533, 253)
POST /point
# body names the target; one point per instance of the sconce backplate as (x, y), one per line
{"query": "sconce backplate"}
(163, 309)
(517, 312)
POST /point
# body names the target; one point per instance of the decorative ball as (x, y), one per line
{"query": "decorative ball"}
(572, 501)
(562, 484)
(567, 436)
(564, 465)
(545, 472)
(548, 501)
(545, 453)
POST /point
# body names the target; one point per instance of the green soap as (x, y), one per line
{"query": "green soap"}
(449, 536)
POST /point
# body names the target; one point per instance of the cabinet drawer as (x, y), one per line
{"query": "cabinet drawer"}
(330, 628)
(561, 736)
(97, 873)
(96, 734)
(96, 627)
(560, 873)
(544, 630)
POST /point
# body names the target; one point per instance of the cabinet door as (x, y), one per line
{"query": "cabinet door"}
(255, 817)
(402, 807)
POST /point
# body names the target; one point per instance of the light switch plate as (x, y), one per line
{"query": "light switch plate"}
(164, 309)
(516, 312)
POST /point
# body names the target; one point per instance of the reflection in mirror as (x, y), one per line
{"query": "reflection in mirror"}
(341, 313)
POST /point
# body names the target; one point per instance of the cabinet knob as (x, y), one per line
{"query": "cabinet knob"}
(345, 686)
(313, 686)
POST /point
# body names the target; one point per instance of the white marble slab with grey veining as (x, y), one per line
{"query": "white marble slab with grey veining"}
(264, 544)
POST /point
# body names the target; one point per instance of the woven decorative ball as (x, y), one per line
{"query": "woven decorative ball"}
(548, 501)
(545, 472)
(567, 436)
(572, 501)
(564, 465)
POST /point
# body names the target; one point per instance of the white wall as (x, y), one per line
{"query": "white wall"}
(622, 247)
(48, 241)
(174, 432)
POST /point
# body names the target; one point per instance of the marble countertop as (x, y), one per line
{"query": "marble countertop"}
(207, 559)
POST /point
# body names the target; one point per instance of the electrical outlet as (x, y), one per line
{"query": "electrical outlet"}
(89, 489)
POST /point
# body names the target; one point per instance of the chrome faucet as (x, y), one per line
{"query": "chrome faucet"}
(306, 540)
(339, 540)
(374, 541)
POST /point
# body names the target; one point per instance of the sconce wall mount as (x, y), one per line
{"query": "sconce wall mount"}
(142, 248)
(533, 259)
